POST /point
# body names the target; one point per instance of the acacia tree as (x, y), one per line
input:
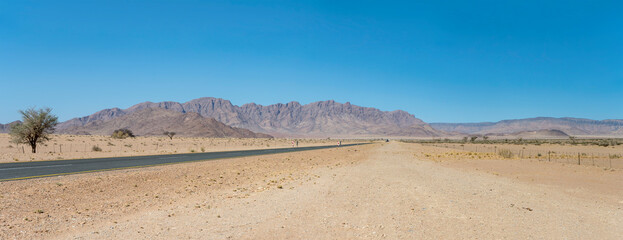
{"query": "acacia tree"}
(36, 127)
(169, 134)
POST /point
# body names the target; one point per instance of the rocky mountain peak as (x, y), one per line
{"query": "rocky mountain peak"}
(317, 119)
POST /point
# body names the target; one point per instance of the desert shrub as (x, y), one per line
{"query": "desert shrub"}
(505, 153)
(615, 156)
(603, 144)
(122, 133)
(96, 149)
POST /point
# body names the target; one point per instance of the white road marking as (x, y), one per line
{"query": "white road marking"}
(63, 165)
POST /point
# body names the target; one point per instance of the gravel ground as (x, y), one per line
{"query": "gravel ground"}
(380, 191)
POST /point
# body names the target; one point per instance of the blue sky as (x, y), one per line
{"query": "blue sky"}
(443, 61)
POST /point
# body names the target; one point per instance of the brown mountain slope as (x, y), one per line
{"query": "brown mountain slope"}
(318, 119)
(103, 115)
(571, 126)
(155, 121)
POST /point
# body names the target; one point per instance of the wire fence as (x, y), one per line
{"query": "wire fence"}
(604, 160)
(140, 147)
(181, 145)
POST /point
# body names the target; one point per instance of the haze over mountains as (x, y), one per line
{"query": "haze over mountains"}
(570, 126)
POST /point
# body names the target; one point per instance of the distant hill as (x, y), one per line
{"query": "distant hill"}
(318, 119)
(6, 128)
(570, 126)
(539, 134)
(155, 121)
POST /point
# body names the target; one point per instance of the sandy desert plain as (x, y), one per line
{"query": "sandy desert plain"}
(393, 190)
(82, 146)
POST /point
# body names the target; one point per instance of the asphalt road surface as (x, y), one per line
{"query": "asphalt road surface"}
(26, 170)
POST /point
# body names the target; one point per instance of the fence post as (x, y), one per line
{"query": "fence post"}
(549, 156)
(579, 159)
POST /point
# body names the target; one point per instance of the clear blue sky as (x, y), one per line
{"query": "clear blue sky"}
(443, 61)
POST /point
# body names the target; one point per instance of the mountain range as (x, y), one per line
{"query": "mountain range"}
(318, 119)
(5, 128)
(155, 121)
(538, 134)
(216, 117)
(570, 126)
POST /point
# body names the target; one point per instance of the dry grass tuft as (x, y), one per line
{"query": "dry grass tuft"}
(505, 153)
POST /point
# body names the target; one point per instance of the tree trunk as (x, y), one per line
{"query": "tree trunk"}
(34, 147)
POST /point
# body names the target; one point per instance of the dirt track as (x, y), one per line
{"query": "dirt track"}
(379, 191)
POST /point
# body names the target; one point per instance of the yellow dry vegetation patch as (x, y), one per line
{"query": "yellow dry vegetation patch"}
(596, 156)
(438, 154)
(459, 155)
